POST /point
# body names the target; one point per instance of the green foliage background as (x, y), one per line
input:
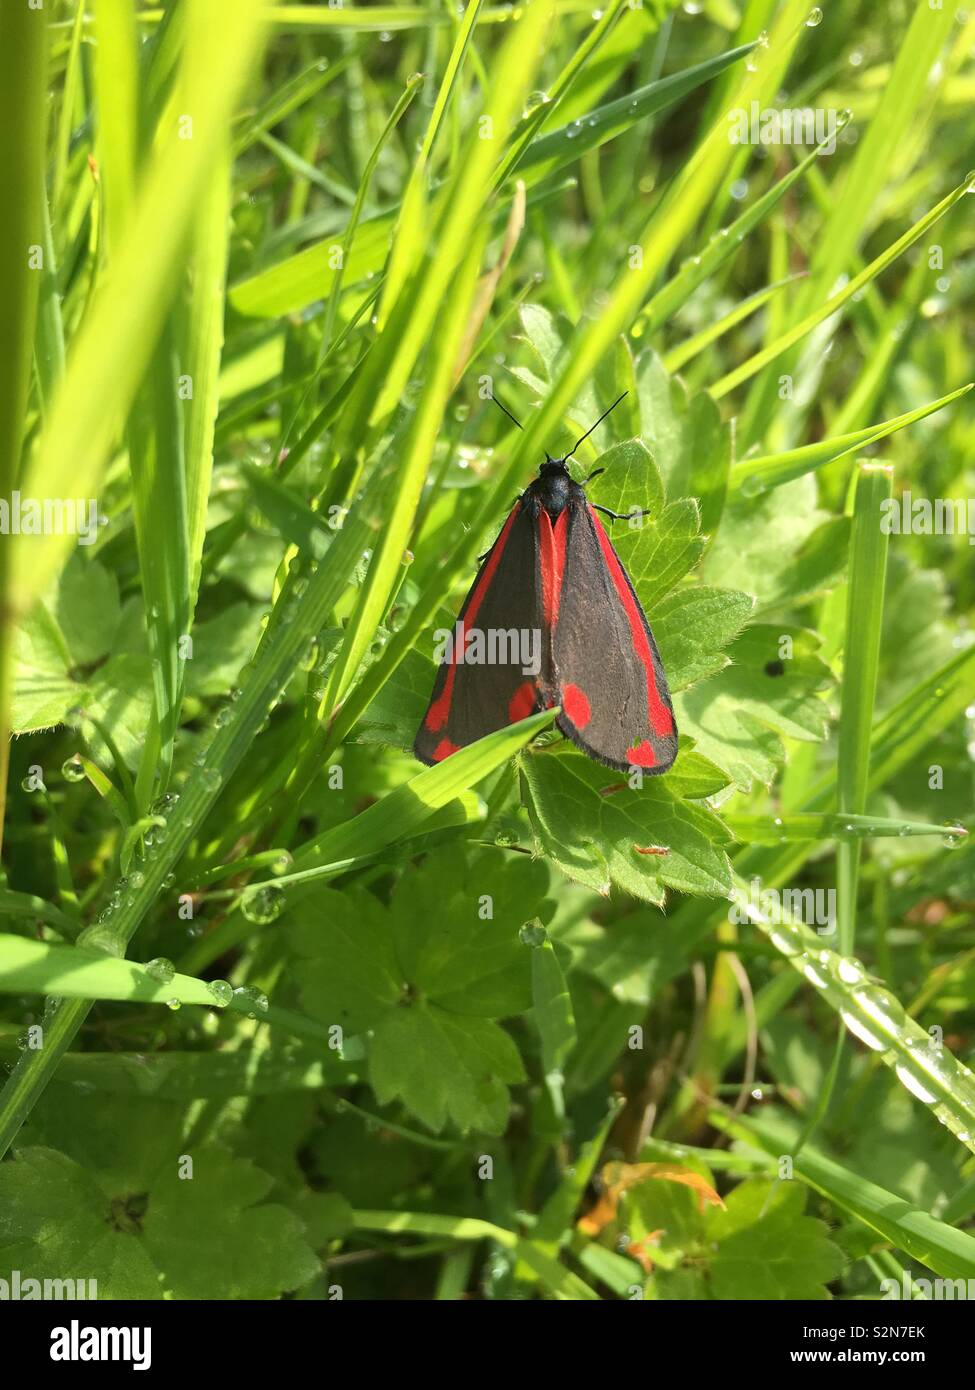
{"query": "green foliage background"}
(285, 1014)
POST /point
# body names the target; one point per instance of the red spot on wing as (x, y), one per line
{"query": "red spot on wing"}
(642, 755)
(576, 706)
(444, 749)
(439, 711)
(522, 702)
(551, 541)
(660, 717)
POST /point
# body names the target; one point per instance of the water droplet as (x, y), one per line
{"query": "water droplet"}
(174, 1004)
(223, 716)
(849, 970)
(915, 1085)
(533, 934)
(161, 969)
(860, 1031)
(263, 904)
(282, 863)
(752, 486)
(252, 997)
(72, 770)
(814, 18)
(211, 778)
(813, 975)
(137, 878)
(222, 992)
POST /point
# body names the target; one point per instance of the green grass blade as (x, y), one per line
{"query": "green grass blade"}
(23, 73)
(757, 474)
(824, 311)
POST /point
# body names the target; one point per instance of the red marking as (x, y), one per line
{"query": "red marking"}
(576, 706)
(651, 849)
(552, 554)
(439, 711)
(660, 718)
(444, 749)
(642, 755)
(522, 702)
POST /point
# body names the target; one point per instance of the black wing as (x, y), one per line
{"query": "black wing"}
(505, 601)
(609, 678)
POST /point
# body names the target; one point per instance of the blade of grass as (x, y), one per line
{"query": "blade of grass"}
(799, 330)
(115, 342)
(757, 474)
(554, 1277)
(23, 77)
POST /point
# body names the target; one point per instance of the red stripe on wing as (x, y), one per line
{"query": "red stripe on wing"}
(551, 549)
(660, 717)
(439, 711)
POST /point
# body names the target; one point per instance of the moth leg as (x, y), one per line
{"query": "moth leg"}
(617, 516)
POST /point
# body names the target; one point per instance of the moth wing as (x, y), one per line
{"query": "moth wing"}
(471, 700)
(609, 678)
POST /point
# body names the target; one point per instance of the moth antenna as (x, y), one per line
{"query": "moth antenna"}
(507, 412)
(592, 427)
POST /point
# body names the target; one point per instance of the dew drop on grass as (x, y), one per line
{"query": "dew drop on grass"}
(848, 970)
(71, 769)
(137, 879)
(263, 904)
(174, 1004)
(533, 934)
(814, 975)
(252, 998)
(814, 18)
(161, 969)
(863, 1033)
(282, 863)
(915, 1085)
(210, 777)
(221, 991)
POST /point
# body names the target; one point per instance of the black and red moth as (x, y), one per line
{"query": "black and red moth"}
(553, 570)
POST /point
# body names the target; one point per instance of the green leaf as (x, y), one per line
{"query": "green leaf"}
(113, 1202)
(767, 1248)
(426, 975)
(597, 838)
(692, 627)
(736, 717)
(552, 1008)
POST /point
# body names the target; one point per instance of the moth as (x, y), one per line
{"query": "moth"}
(554, 574)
